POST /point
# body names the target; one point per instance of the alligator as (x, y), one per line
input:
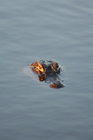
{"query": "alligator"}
(48, 71)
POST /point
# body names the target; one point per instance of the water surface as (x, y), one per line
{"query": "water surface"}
(34, 30)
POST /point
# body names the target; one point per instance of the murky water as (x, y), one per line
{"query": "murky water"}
(34, 30)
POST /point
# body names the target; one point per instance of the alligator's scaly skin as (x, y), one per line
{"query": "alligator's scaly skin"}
(48, 71)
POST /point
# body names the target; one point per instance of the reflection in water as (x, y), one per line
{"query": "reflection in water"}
(29, 73)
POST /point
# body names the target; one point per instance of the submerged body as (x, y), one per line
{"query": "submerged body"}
(48, 71)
